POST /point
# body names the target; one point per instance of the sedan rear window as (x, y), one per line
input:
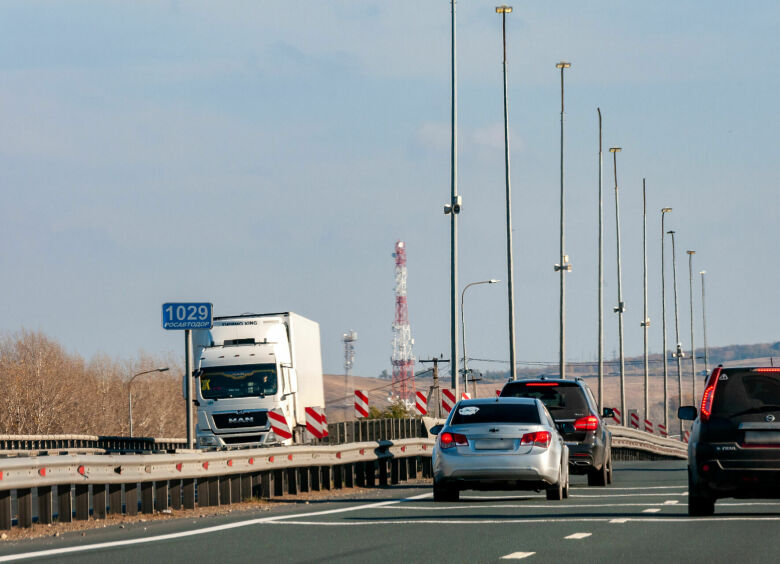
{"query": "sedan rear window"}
(746, 393)
(563, 400)
(496, 413)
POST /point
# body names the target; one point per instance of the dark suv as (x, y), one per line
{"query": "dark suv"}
(575, 411)
(734, 448)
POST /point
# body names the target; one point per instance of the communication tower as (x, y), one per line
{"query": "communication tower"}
(402, 359)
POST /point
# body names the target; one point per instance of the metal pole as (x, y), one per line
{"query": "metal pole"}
(455, 209)
(564, 265)
(704, 323)
(646, 323)
(504, 10)
(130, 406)
(190, 394)
(463, 332)
(601, 276)
(693, 347)
(130, 391)
(679, 352)
(621, 307)
(664, 211)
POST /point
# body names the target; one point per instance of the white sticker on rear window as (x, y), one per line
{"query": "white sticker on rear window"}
(723, 377)
(470, 410)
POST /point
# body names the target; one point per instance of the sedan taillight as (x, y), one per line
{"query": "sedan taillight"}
(539, 438)
(449, 440)
(589, 423)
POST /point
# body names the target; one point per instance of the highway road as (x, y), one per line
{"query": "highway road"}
(642, 517)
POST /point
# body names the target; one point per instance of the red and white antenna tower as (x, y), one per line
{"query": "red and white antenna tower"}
(403, 360)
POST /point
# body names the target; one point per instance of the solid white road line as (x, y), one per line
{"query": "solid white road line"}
(651, 510)
(648, 519)
(550, 506)
(517, 555)
(665, 494)
(611, 489)
(200, 531)
(578, 536)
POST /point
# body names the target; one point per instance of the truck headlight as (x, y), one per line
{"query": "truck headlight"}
(207, 441)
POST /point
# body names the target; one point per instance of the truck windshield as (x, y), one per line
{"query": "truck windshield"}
(238, 381)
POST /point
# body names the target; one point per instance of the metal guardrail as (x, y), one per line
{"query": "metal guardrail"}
(209, 478)
(643, 442)
(58, 443)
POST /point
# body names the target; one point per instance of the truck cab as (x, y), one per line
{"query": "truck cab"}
(249, 365)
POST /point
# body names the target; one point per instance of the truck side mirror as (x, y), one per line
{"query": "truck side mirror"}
(607, 412)
(687, 413)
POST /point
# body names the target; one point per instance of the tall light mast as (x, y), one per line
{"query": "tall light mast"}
(349, 339)
(402, 359)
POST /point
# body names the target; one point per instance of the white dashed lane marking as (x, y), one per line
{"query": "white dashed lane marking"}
(517, 555)
(671, 502)
(651, 510)
(578, 536)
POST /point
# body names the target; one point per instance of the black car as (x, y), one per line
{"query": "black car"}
(575, 411)
(734, 447)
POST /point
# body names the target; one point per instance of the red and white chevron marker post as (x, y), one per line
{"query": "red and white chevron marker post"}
(279, 424)
(316, 423)
(686, 436)
(361, 404)
(617, 416)
(634, 420)
(662, 430)
(648, 426)
(420, 403)
(498, 393)
(465, 395)
(447, 399)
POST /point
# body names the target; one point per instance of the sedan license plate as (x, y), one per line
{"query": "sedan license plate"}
(493, 444)
(762, 437)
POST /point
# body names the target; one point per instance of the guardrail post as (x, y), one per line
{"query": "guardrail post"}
(338, 476)
(360, 474)
(348, 473)
(325, 477)
(99, 501)
(277, 482)
(203, 492)
(394, 471)
(246, 486)
(303, 479)
(44, 505)
(5, 510)
(427, 467)
(403, 467)
(371, 474)
(64, 504)
(188, 493)
(131, 499)
(224, 490)
(114, 499)
(264, 484)
(161, 495)
(175, 489)
(383, 472)
(24, 503)
(413, 467)
(147, 497)
(235, 488)
(213, 491)
(82, 502)
(314, 478)
(292, 481)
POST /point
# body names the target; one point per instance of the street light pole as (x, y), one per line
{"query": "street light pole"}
(564, 265)
(504, 10)
(646, 320)
(601, 275)
(454, 209)
(693, 347)
(130, 392)
(664, 211)
(678, 352)
(704, 323)
(621, 307)
(463, 332)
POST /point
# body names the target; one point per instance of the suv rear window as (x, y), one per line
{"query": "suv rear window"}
(746, 392)
(563, 400)
(496, 413)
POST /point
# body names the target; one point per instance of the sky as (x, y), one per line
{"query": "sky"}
(267, 157)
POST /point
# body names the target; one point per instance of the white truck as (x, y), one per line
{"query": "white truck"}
(249, 365)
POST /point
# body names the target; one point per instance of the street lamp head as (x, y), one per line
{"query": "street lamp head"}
(666, 210)
(493, 281)
(563, 65)
(671, 232)
(503, 9)
(615, 149)
(691, 252)
(164, 369)
(702, 272)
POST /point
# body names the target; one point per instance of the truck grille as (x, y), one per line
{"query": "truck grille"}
(241, 420)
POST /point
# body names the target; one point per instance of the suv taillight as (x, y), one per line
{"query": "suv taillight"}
(539, 438)
(449, 440)
(589, 423)
(709, 395)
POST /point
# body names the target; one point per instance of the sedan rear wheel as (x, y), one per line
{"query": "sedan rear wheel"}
(555, 491)
(443, 492)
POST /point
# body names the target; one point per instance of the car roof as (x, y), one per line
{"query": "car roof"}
(483, 401)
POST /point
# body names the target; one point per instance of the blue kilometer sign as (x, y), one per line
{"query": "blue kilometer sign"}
(186, 315)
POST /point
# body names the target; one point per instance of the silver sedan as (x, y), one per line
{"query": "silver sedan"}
(499, 444)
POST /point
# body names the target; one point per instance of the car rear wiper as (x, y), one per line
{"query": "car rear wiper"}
(765, 407)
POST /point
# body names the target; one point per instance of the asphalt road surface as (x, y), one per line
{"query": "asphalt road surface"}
(642, 517)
